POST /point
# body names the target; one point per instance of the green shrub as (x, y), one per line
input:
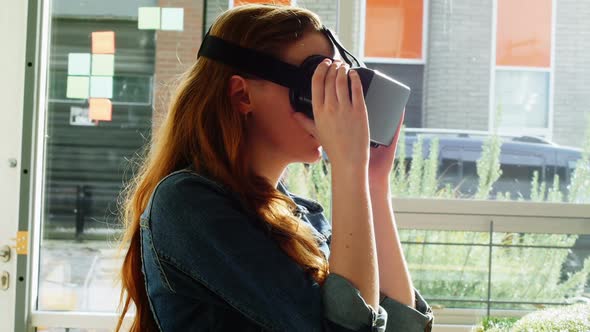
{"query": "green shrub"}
(574, 318)
(579, 187)
(496, 324)
(488, 165)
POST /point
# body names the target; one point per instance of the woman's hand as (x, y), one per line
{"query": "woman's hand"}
(382, 157)
(341, 124)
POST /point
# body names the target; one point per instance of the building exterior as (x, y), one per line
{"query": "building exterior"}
(465, 59)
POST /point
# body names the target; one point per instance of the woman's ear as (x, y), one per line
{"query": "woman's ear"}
(239, 94)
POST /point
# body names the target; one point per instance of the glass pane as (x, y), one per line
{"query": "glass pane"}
(448, 237)
(523, 98)
(538, 276)
(112, 65)
(450, 275)
(78, 275)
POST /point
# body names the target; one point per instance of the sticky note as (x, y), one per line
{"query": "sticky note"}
(79, 117)
(172, 19)
(103, 64)
(103, 42)
(77, 87)
(79, 64)
(101, 86)
(148, 18)
(100, 109)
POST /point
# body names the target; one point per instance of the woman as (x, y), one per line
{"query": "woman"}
(216, 241)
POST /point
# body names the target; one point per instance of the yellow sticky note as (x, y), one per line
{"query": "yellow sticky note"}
(77, 87)
(103, 64)
(148, 18)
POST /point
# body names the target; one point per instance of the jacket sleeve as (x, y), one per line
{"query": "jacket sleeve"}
(346, 310)
(404, 318)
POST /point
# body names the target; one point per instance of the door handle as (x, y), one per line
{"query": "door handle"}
(5, 253)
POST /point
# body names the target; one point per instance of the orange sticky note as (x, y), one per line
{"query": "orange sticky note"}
(100, 109)
(103, 42)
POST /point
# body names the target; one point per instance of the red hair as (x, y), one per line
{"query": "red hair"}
(202, 129)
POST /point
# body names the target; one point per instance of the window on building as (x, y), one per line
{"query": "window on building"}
(394, 29)
(393, 43)
(523, 70)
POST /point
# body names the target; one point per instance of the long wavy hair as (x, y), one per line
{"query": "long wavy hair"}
(201, 129)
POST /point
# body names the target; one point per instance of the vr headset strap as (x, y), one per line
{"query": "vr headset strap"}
(347, 56)
(250, 61)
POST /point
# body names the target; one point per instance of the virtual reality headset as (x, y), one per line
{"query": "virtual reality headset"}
(385, 97)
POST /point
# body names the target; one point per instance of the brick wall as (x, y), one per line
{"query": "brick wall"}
(457, 71)
(326, 9)
(176, 51)
(572, 72)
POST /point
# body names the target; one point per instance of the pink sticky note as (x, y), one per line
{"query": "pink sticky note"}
(100, 109)
(103, 42)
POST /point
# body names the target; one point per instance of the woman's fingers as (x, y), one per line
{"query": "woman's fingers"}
(317, 84)
(358, 98)
(342, 86)
(330, 97)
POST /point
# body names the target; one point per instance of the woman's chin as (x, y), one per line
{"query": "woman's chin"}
(314, 156)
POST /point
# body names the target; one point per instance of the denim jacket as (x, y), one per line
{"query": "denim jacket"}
(209, 266)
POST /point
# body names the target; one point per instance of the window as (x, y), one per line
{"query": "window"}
(394, 42)
(394, 29)
(523, 68)
(523, 97)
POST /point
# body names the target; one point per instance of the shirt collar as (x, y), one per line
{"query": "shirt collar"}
(304, 204)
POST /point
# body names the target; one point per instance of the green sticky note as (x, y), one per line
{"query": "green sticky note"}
(79, 64)
(103, 64)
(78, 87)
(172, 19)
(101, 87)
(148, 18)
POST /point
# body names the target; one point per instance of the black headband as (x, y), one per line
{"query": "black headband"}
(262, 64)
